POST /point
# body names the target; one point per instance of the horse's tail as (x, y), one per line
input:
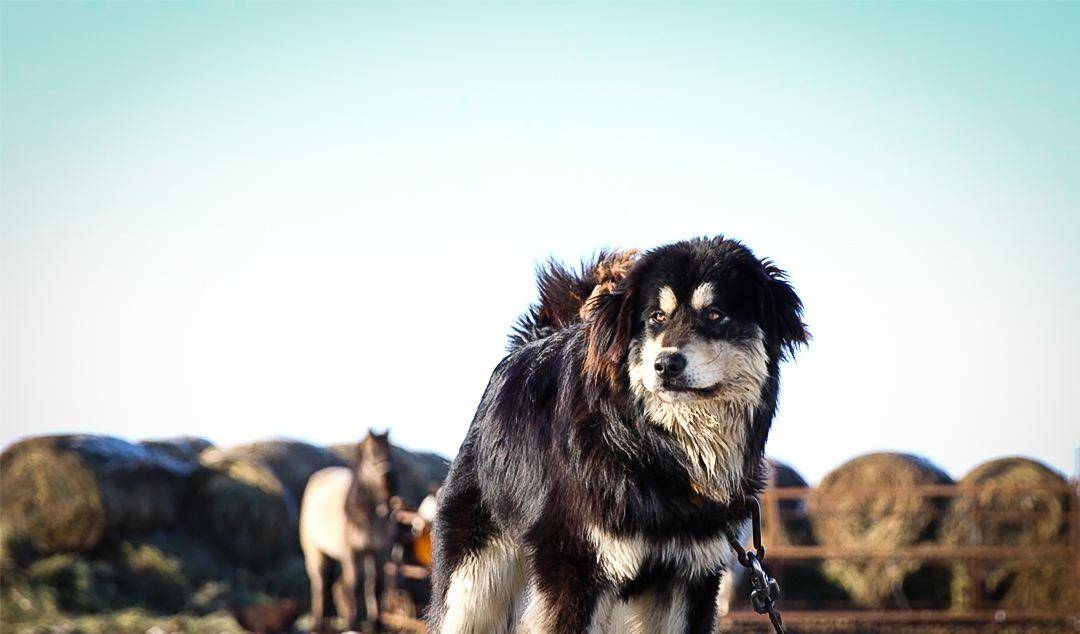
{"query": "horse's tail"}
(565, 294)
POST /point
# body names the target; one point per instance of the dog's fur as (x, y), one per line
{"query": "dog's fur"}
(590, 491)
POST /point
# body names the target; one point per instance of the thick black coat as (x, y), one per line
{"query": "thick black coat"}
(558, 443)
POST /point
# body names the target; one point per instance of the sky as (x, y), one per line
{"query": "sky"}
(251, 220)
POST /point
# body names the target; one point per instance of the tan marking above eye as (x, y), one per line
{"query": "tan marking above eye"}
(668, 301)
(702, 297)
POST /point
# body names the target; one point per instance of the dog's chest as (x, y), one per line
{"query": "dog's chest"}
(623, 558)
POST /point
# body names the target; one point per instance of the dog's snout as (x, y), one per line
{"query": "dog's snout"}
(670, 364)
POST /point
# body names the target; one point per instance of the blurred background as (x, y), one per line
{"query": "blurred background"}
(268, 228)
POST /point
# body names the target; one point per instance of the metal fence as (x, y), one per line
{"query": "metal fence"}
(782, 506)
(974, 612)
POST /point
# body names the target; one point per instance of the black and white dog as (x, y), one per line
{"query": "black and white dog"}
(615, 446)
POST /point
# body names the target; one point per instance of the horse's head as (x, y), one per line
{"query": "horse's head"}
(375, 467)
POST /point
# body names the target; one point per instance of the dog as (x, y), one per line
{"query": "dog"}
(617, 445)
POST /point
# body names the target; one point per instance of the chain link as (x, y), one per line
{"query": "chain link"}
(765, 591)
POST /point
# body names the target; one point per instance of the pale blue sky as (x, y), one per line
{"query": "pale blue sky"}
(267, 219)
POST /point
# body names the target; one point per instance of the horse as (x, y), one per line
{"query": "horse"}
(347, 515)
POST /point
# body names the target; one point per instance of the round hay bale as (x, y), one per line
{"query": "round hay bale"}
(345, 451)
(845, 510)
(1001, 517)
(418, 472)
(64, 493)
(784, 521)
(241, 505)
(292, 461)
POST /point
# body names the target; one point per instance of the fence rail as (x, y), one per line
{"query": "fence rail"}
(829, 618)
(777, 508)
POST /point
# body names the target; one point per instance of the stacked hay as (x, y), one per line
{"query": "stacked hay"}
(64, 493)
(206, 578)
(242, 506)
(1002, 517)
(96, 525)
(845, 512)
(418, 472)
(292, 461)
(345, 451)
(184, 448)
(152, 574)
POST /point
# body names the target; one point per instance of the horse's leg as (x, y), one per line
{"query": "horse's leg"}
(338, 592)
(314, 563)
(348, 588)
(371, 599)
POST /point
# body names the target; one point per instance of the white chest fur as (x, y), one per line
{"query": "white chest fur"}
(622, 557)
(712, 432)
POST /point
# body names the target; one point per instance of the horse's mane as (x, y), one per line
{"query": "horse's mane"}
(362, 499)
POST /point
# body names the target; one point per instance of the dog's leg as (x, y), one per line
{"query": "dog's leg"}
(701, 604)
(604, 615)
(565, 590)
(478, 570)
(657, 610)
(481, 590)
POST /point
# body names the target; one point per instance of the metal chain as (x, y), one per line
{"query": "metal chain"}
(765, 591)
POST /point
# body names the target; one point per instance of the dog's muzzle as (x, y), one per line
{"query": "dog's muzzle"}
(669, 366)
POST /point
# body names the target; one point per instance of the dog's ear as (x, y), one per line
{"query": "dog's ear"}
(608, 325)
(786, 309)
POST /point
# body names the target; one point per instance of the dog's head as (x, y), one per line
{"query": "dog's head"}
(695, 321)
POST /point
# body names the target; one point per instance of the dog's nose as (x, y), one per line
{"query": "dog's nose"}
(669, 364)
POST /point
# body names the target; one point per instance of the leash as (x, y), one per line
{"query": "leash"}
(765, 591)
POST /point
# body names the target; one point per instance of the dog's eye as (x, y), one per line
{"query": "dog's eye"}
(713, 314)
(658, 316)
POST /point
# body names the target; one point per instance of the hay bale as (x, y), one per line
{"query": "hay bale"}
(345, 451)
(184, 448)
(117, 576)
(242, 507)
(1000, 517)
(292, 461)
(842, 513)
(64, 493)
(200, 560)
(131, 621)
(784, 522)
(418, 472)
(75, 582)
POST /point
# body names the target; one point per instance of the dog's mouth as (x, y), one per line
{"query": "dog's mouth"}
(674, 392)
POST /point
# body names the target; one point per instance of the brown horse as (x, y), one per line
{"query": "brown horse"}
(346, 515)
